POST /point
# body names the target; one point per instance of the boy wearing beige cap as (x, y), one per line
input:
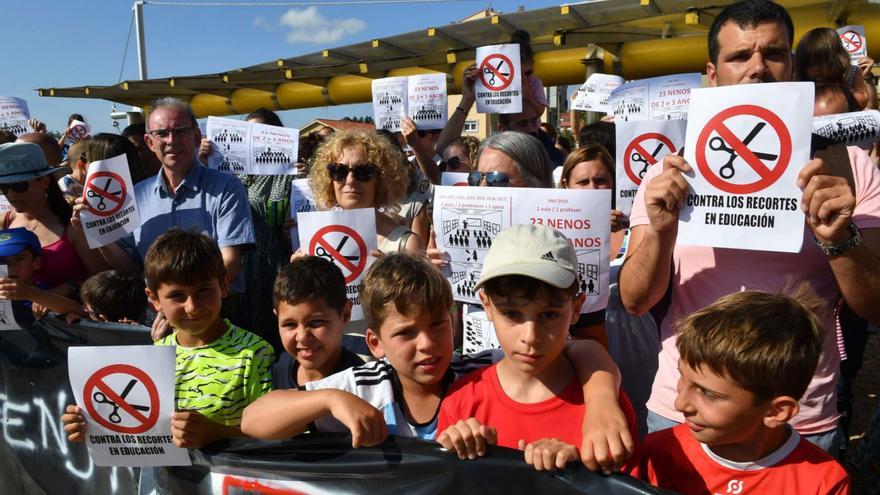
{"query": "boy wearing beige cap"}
(531, 399)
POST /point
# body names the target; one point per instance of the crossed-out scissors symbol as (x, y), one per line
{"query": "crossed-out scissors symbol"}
(717, 144)
(491, 73)
(637, 157)
(320, 251)
(101, 205)
(100, 398)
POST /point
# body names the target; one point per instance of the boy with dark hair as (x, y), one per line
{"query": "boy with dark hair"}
(531, 399)
(312, 309)
(745, 362)
(115, 296)
(220, 368)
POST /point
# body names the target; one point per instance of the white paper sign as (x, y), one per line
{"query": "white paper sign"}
(111, 211)
(641, 144)
(421, 97)
(345, 237)
(302, 200)
(594, 93)
(7, 318)
(389, 102)
(252, 149)
(4, 204)
(854, 42)
(77, 130)
(656, 98)
(855, 129)
(126, 394)
(453, 179)
(746, 145)
(14, 115)
(467, 219)
(478, 331)
(499, 87)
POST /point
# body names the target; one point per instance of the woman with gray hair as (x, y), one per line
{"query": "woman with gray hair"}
(512, 159)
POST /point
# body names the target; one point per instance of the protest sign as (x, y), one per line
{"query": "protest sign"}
(656, 98)
(853, 40)
(14, 115)
(77, 130)
(4, 204)
(860, 129)
(7, 319)
(453, 179)
(126, 394)
(345, 237)
(499, 87)
(746, 145)
(389, 102)
(594, 93)
(641, 144)
(467, 219)
(250, 148)
(302, 200)
(478, 331)
(421, 97)
(110, 211)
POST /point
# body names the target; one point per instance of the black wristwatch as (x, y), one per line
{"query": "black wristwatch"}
(842, 247)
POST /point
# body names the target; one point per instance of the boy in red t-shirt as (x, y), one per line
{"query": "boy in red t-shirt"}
(745, 362)
(531, 399)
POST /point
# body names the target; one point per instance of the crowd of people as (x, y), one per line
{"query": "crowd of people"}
(710, 370)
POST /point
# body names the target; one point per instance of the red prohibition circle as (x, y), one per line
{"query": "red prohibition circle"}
(768, 176)
(855, 42)
(636, 145)
(96, 190)
(355, 270)
(485, 64)
(97, 381)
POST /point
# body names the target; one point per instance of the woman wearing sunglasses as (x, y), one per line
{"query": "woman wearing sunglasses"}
(38, 205)
(358, 169)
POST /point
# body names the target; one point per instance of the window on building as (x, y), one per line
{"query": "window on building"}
(471, 126)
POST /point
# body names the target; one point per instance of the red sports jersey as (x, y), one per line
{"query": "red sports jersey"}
(479, 395)
(675, 460)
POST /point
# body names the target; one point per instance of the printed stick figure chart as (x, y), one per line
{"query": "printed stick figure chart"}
(343, 246)
(122, 398)
(496, 72)
(105, 193)
(743, 149)
(644, 151)
(852, 41)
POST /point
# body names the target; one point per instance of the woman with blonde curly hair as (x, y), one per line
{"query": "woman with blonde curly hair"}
(360, 169)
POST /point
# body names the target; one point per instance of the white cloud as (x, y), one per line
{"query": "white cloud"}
(263, 23)
(309, 26)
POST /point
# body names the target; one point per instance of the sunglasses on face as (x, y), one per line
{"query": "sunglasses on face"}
(363, 172)
(493, 179)
(18, 187)
(177, 131)
(452, 164)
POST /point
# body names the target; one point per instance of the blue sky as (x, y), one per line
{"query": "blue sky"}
(78, 42)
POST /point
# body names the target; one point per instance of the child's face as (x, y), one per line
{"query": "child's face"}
(532, 331)
(190, 308)
(717, 410)
(311, 332)
(21, 266)
(419, 348)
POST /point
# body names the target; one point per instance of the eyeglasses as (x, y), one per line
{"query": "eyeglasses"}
(452, 164)
(363, 172)
(164, 133)
(18, 187)
(493, 179)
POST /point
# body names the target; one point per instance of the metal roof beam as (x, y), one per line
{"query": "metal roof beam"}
(567, 10)
(447, 37)
(385, 45)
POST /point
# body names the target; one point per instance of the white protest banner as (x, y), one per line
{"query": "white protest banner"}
(478, 332)
(641, 144)
(77, 130)
(302, 200)
(453, 179)
(656, 98)
(7, 318)
(250, 148)
(594, 93)
(126, 394)
(499, 87)
(467, 219)
(14, 115)
(746, 145)
(853, 40)
(345, 237)
(426, 94)
(389, 102)
(855, 129)
(111, 211)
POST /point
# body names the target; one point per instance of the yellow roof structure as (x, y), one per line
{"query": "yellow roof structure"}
(633, 38)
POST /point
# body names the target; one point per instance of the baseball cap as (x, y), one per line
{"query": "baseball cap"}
(534, 251)
(13, 241)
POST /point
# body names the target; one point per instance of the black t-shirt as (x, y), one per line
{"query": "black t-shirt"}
(284, 370)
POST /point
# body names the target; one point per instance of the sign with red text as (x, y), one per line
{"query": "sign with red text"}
(655, 98)
(499, 85)
(14, 115)
(249, 148)
(126, 394)
(853, 40)
(746, 145)
(421, 97)
(111, 211)
(640, 145)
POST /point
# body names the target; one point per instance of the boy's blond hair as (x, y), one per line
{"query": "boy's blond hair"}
(410, 283)
(769, 344)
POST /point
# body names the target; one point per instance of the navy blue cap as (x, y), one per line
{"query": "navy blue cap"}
(13, 241)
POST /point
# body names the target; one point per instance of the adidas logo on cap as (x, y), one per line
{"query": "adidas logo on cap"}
(549, 257)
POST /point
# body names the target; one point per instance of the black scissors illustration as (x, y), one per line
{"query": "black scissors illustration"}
(100, 398)
(320, 251)
(637, 157)
(101, 205)
(489, 72)
(717, 144)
